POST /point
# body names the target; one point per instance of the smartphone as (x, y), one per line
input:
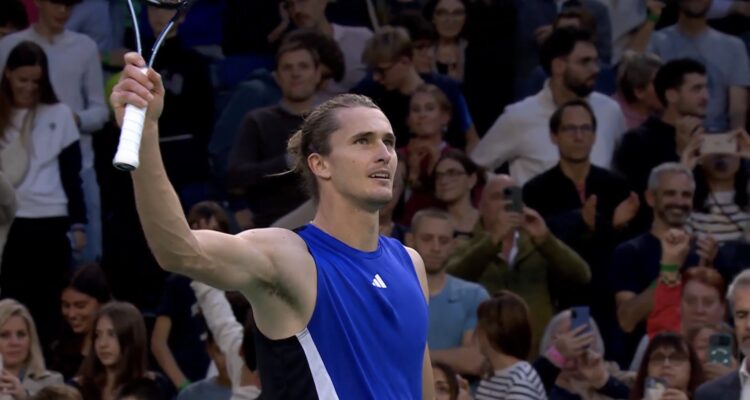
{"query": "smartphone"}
(654, 388)
(515, 195)
(579, 316)
(720, 349)
(719, 143)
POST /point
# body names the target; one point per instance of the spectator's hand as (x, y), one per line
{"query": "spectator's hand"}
(655, 7)
(573, 344)
(593, 369)
(743, 139)
(675, 244)
(139, 89)
(534, 224)
(626, 211)
(244, 219)
(707, 250)
(10, 384)
(687, 127)
(674, 394)
(588, 212)
(505, 223)
(463, 388)
(542, 33)
(692, 153)
(419, 151)
(712, 370)
(79, 239)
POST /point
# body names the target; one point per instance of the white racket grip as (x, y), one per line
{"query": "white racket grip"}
(128, 149)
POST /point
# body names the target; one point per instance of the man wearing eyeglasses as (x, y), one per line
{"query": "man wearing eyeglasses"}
(519, 137)
(591, 208)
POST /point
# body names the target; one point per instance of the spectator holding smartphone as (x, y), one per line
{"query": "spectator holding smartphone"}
(572, 364)
(709, 341)
(514, 250)
(721, 206)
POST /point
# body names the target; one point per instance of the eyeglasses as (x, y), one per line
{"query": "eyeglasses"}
(694, 301)
(443, 13)
(573, 129)
(660, 358)
(451, 173)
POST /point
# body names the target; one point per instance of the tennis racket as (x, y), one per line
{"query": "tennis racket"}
(126, 158)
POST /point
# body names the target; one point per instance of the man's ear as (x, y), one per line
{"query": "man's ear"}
(319, 166)
(672, 96)
(650, 198)
(557, 67)
(409, 239)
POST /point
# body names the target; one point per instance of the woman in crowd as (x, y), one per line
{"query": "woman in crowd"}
(456, 177)
(720, 205)
(428, 120)
(449, 19)
(118, 354)
(86, 292)
(504, 334)
(680, 304)
(670, 361)
(39, 142)
(572, 365)
(23, 371)
(635, 87)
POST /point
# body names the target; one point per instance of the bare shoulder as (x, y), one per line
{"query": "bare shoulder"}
(284, 248)
(416, 259)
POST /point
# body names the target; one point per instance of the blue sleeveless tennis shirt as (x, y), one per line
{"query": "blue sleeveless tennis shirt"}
(367, 335)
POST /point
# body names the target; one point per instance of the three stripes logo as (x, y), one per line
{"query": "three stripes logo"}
(378, 282)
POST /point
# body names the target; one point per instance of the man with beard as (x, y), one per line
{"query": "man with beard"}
(637, 263)
(734, 385)
(724, 56)
(590, 210)
(681, 86)
(259, 149)
(520, 136)
(453, 301)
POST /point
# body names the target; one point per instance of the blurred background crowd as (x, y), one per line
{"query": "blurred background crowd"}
(574, 173)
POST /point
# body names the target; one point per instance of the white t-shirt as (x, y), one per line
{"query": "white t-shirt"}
(521, 136)
(41, 194)
(352, 41)
(76, 76)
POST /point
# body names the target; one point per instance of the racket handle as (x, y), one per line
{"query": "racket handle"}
(128, 149)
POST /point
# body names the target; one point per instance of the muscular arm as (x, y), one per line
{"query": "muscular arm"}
(632, 308)
(465, 359)
(220, 260)
(428, 384)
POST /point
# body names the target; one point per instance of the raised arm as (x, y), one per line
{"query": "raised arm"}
(221, 260)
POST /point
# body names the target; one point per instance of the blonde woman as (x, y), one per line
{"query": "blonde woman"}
(24, 372)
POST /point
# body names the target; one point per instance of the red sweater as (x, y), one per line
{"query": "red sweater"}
(665, 315)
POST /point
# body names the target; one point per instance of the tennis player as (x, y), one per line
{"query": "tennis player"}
(341, 310)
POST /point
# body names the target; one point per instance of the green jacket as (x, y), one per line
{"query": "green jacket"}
(536, 268)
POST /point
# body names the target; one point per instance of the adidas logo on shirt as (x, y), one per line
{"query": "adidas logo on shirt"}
(378, 282)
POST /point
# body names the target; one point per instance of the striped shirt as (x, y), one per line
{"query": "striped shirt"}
(517, 382)
(724, 220)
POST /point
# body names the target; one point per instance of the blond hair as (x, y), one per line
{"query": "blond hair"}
(387, 45)
(34, 363)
